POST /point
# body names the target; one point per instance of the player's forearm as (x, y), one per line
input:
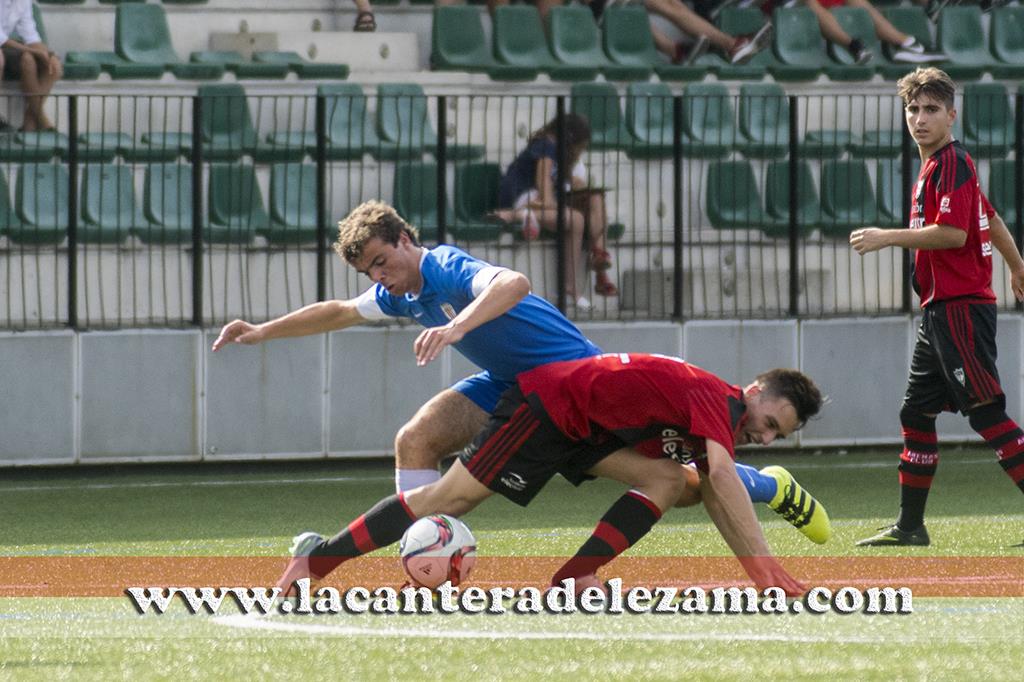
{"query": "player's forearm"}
(1003, 241)
(930, 237)
(730, 509)
(315, 318)
(502, 294)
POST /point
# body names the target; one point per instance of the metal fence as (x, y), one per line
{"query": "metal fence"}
(719, 203)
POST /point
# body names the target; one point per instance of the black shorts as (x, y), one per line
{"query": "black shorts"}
(12, 63)
(954, 361)
(520, 449)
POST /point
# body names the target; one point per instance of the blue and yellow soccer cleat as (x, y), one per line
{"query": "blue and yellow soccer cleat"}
(798, 507)
(892, 536)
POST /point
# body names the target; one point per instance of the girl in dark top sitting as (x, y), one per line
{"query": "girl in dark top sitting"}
(527, 195)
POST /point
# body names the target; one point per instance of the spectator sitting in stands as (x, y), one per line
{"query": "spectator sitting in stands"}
(527, 195)
(26, 58)
(735, 49)
(905, 48)
(365, 21)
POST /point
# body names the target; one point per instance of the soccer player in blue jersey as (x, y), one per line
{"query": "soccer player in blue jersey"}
(488, 314)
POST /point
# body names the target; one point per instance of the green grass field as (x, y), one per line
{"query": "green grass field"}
(252, 510)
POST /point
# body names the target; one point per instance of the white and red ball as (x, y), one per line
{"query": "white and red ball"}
(437, 549)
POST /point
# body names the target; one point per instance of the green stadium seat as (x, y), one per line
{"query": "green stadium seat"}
(857, 22)
(415, 197)
(109, 209)
(1002, 189)
(305, 70)
(626, 38)
(155, 148)
(709, 127)
(142, 36)
(739, 21)
(1007, 41)
(599, 103)
(118, 68)
(890, 191)
(776, 197)
(348, 131)
(826, 143)
(987, 120)
(877, 143)
(519, 38)
(649, 120)
(33, 147)
(476, 194)
(576, 41)
(102, 147)
(404, 128)
(763, 121)
(799, 46)
(293, 205)
(962, 37)
(236, 209)
(733, 200)
(458, 43)
(166, 204)
(41, 204)
(234, 62)
(847, 197)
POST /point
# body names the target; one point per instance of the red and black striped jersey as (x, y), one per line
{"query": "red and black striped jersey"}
(663, 405)
(947, 193)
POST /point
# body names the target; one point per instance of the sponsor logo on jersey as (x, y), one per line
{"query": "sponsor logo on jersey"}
(514, 481)
(959, 374)
(676, 446)
(986, 249)
(944, 205)
(448, 310)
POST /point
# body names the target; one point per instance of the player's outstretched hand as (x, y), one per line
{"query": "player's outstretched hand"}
(238, 331)
(766, 571)
(867, 239)
(1017, 284)
(432, 341)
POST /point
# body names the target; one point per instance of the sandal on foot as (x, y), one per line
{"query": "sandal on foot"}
(600, 259)
(606, 287)
(365, 22)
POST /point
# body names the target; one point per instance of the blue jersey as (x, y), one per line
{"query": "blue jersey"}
(531, 334)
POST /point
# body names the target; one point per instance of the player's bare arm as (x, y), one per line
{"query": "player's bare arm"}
(930, 237)
(315, 318)
(502, 294)
(729, 507)
(1003, 241)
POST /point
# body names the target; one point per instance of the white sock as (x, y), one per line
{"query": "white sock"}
(407, 479)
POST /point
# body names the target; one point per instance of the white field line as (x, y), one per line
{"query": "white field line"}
(359, 479)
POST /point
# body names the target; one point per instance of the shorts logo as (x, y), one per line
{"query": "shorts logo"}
(448, 310)
(675, 446)
(514, 481)
(959, 374)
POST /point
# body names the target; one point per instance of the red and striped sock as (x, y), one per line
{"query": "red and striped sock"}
(1002, 435)
(382, 525)
(628, 520)
(918, 462)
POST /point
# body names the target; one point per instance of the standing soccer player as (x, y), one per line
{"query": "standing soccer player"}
(488, 314)
(952, 230)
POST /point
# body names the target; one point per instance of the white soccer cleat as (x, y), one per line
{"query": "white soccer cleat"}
(298, 567)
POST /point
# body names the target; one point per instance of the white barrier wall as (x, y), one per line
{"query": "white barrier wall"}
(161, 395)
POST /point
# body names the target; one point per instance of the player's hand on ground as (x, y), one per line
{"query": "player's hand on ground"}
(766, 572)
(238, 331)
(868, 239)
(1017, 284)
(432, 341)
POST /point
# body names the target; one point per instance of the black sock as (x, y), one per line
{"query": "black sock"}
(918, 462)
(382, 525)
(1002, 435)
(855, 47)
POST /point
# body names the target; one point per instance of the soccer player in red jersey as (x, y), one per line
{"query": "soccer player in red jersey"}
(952, 230)
(633, 418)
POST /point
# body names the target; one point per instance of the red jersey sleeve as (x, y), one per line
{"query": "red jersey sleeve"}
(956, 187)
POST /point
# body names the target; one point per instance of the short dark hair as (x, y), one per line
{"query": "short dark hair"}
(796, 387)
(929, 81)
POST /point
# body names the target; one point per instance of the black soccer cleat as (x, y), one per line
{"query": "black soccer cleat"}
(894, 537)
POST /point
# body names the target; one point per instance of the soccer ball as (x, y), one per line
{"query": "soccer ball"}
(437, 549)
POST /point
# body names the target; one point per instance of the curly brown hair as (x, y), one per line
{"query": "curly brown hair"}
(368, 220)
(796, 387)
(929, 81)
